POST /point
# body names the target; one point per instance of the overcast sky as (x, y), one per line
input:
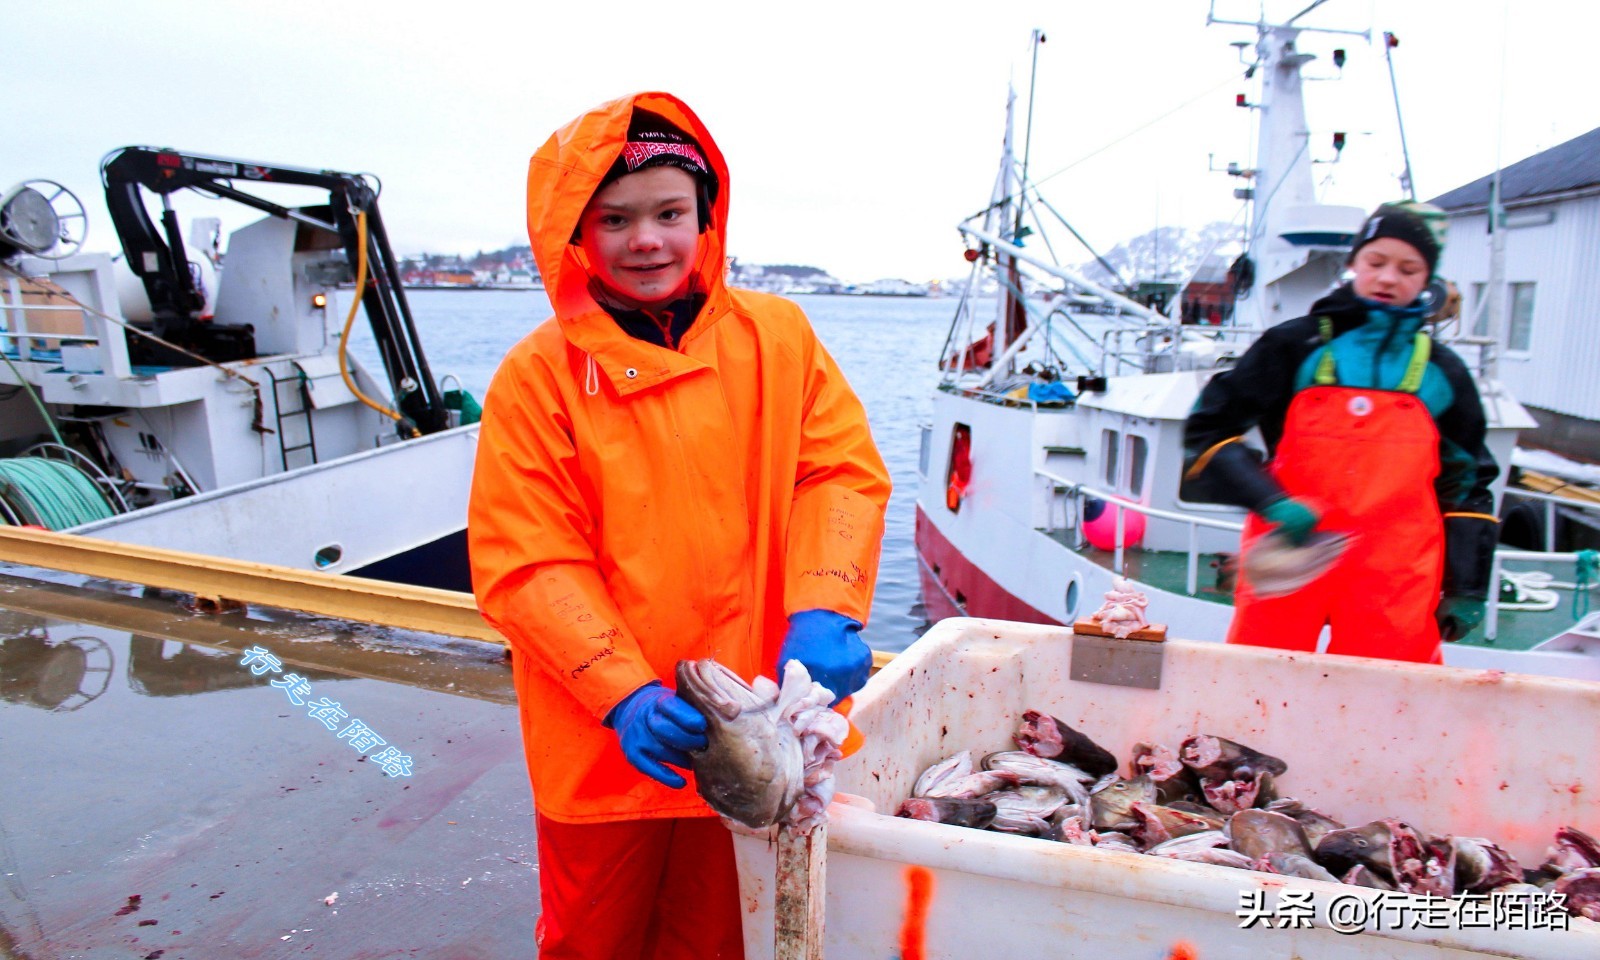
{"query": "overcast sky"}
(858, 133)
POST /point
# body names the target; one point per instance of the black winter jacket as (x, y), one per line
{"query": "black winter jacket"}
(1257, 391)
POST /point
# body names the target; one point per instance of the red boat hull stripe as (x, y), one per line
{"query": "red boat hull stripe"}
(953, 586)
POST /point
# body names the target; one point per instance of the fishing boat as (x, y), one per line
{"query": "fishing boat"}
(1051, 461)
(194, 396)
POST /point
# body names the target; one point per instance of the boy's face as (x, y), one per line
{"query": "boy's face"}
(642, 233)
(1390, 271)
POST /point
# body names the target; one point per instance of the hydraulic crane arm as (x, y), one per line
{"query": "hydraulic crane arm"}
(156, 255)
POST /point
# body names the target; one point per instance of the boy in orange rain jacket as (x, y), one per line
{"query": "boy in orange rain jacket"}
(667, 469)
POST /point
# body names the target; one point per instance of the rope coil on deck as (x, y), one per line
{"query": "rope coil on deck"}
(53, 494)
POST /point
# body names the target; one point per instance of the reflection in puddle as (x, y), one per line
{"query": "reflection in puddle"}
(144, 762)
(37, 670)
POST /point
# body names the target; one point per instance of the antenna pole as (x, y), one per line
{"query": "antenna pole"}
(1027, 133)
(1389, 43)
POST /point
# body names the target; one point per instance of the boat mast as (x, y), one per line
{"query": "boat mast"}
(1288, 229)
(1014, 311)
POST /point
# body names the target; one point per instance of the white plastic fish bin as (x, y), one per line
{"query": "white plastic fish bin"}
(1510, 758)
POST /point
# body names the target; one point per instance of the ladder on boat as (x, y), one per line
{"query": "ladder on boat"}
(298, 391)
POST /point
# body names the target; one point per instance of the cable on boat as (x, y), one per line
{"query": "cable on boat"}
(50, 493)
(107, 486)
(349, 321)
(1231, 78)
(49, 421)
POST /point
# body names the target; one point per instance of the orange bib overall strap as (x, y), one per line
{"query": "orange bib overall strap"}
(1367, 459)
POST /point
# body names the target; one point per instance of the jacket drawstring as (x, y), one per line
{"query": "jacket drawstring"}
(591, 377)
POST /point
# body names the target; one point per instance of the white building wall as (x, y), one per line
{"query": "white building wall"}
(1561, 369)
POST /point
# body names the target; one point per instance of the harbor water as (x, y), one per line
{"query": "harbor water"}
(887, 346)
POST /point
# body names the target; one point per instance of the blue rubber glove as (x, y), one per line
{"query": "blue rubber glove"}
(1292, 518)
(657, 728)
(1458, 616)
(830, 646)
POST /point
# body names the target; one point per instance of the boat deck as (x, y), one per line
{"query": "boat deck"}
(1168, 570)
(162, 800)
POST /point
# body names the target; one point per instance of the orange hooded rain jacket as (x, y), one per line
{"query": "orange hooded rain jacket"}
(634, 505)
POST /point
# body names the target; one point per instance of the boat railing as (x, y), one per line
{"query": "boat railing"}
(992, 396)
(1491, 620)
(1078, 491)
(1551, 502)
(14, 313)
(84, 288)
(1115, 355)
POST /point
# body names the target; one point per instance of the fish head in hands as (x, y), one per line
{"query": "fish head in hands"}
(770, 750)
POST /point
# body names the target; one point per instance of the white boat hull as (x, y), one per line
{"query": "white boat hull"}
(1004, 553)
(339, 516)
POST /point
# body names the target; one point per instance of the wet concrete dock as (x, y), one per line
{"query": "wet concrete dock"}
(161, 798)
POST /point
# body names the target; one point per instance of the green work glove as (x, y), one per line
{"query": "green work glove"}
(1458, 616)
(1292, 518)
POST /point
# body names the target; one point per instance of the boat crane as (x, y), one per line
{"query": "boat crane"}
(177, 298)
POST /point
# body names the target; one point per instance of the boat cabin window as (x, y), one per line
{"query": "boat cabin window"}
(1118, 450)
(958, 475)
(1110, 451)
(1138, 451)
(927, 450)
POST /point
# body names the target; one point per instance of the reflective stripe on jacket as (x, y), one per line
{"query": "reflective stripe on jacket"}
(634, 505)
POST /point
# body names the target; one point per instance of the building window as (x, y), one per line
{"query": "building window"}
(1519, 337)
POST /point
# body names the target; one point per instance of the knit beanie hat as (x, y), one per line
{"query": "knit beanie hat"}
(653, 141)
(1422, 225)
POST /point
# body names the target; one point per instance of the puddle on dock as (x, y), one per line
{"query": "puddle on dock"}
(160, 798)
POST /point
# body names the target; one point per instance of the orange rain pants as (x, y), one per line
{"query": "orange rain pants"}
(1367, 460)
(670, 890)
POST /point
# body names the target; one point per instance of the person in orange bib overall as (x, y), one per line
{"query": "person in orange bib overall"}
(1372, 430)
(667, 469)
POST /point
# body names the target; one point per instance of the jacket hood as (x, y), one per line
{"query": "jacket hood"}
(566, 171)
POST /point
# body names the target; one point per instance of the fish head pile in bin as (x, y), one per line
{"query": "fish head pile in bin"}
(1219, 802)
(770, 750)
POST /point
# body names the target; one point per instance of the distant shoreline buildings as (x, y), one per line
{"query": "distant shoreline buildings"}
(514, 269)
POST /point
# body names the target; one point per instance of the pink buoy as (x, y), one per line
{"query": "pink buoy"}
(1100, 529)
